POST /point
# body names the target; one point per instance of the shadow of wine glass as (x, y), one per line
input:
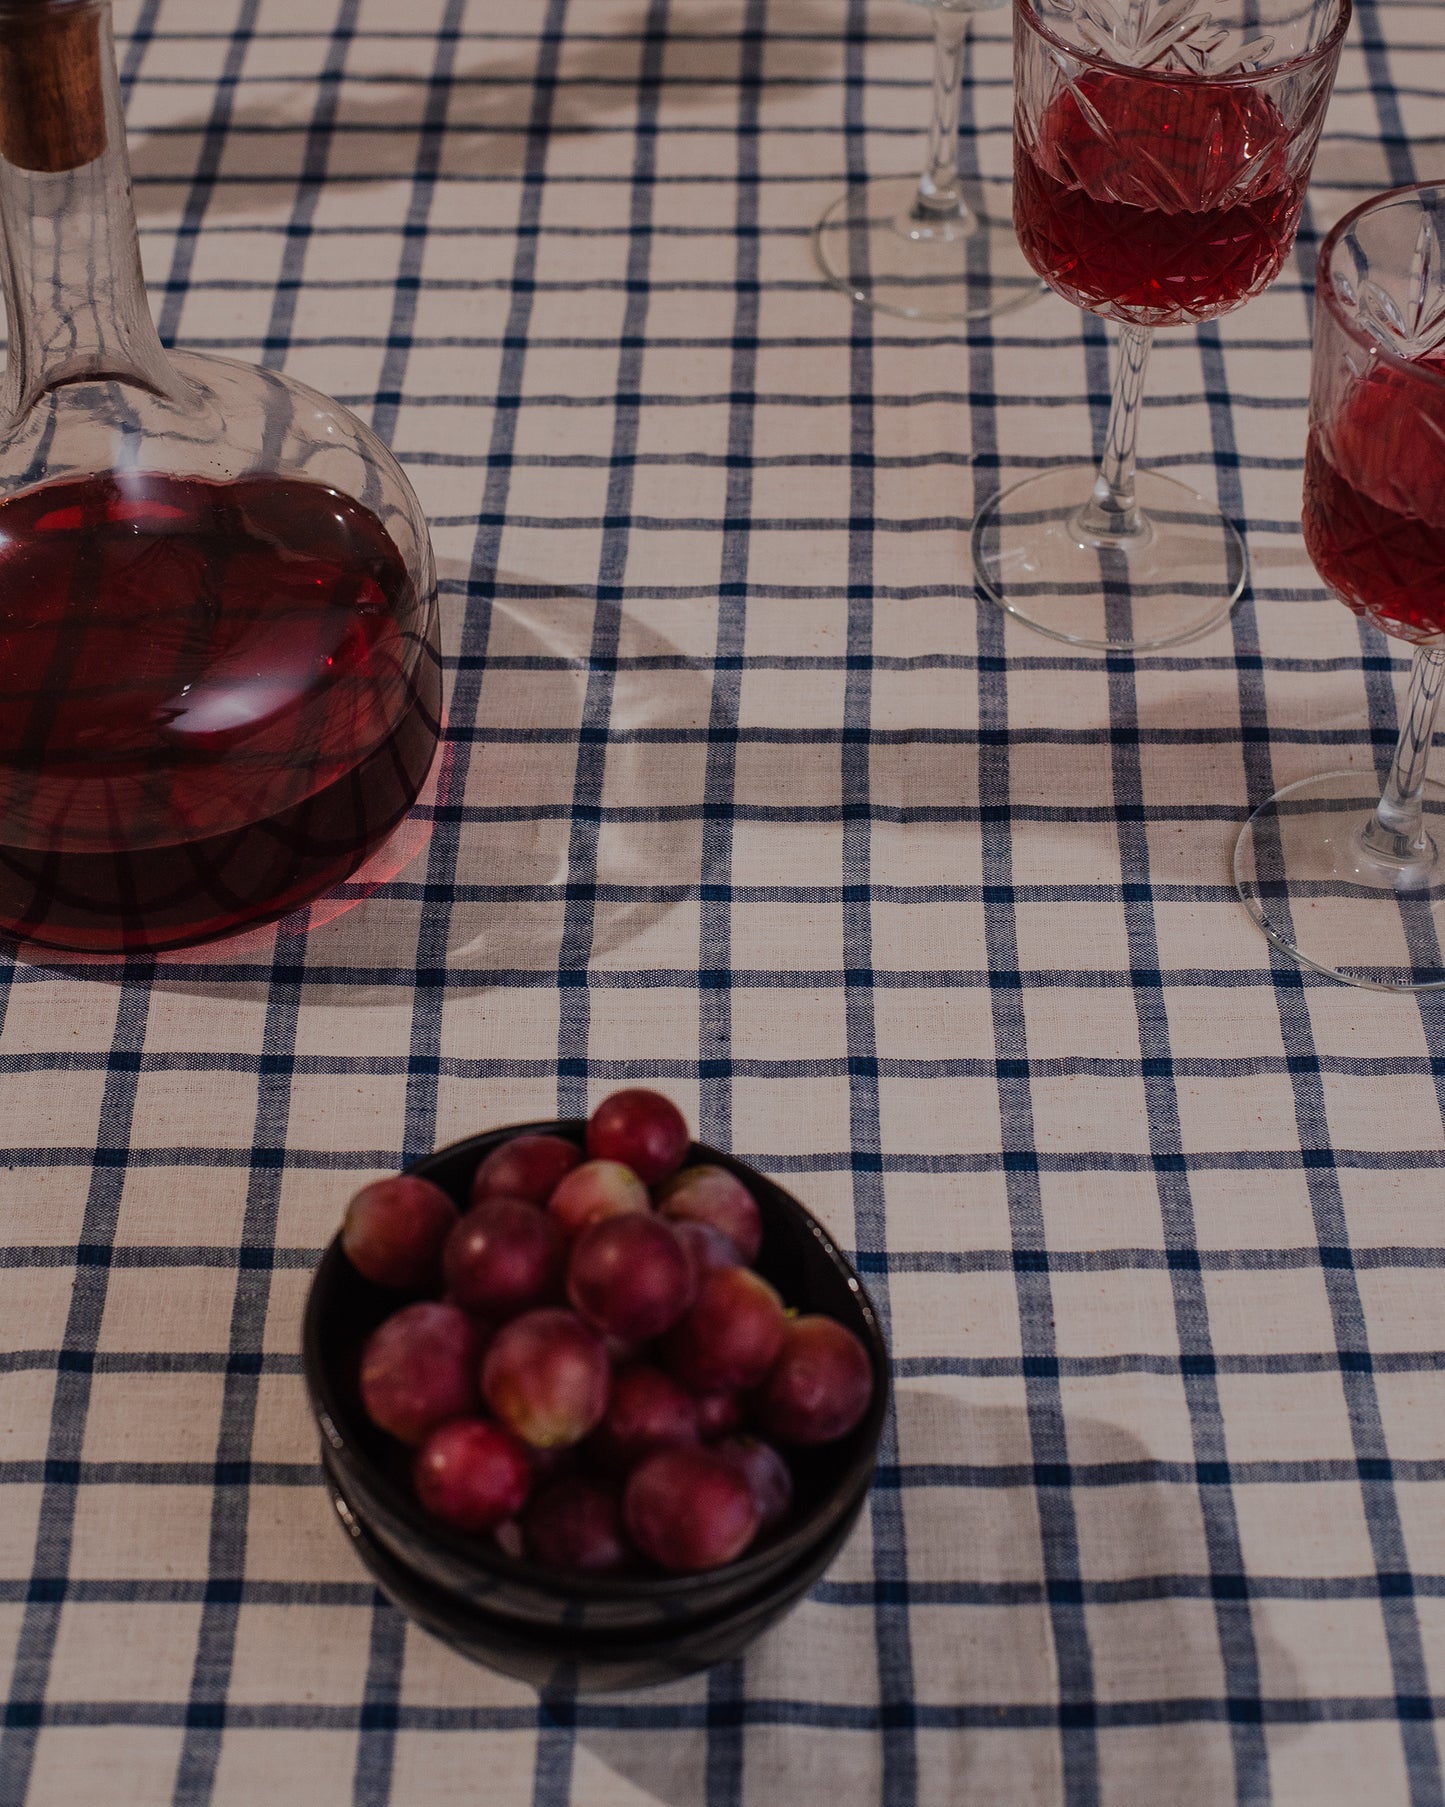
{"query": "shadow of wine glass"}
(1078, 768)
(978, 1635)
(488, 108)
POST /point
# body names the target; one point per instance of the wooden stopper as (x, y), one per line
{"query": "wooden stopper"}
(52, 83)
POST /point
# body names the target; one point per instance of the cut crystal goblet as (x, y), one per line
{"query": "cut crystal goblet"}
(1161, 156)
(1346, 877)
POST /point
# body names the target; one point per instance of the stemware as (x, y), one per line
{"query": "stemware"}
(1349, 885)
(929, 247)
(1161, 156)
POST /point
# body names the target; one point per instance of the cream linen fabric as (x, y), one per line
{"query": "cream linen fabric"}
(746, 797)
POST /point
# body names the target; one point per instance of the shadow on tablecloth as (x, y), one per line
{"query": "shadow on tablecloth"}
(971, 1553)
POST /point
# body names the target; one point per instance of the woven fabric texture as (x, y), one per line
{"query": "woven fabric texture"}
(747, 797)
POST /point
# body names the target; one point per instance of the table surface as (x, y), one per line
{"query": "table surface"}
(746, 797)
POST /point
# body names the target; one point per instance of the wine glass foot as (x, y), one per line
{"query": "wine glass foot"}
(1328, 902)
(1172, 581)
(879, 248)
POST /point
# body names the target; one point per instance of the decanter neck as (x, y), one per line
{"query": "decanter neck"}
(71, 271)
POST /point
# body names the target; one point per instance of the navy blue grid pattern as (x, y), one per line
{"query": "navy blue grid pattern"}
(745, 796)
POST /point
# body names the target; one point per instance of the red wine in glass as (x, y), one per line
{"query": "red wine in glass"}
(1343, 871)
(1157, 202)
(1374, 505)
(213, 704)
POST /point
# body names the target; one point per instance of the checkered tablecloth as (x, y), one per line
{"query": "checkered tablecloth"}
(745, 796)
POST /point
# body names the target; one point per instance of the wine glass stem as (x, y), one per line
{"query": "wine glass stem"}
(939, 191)
(1111, 514)
(1396, 831)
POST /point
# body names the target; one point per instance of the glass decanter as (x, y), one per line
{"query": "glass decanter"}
(219, 675)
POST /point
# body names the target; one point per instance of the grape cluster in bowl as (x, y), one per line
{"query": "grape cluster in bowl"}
(596, 1377)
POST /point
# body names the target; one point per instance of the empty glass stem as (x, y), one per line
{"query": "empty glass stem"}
(1111, 513)
(939, 191)
(1395, 834)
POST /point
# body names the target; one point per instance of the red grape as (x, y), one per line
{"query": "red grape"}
(690, 1508)
(504, 1256)
(713, 1196)
(646, 1411)
(595, 1190)
(419, 1368)
(575, 1526)
(643, 1130)
(707, 1249)
(394, 1231)
(730, 1337)
(471, 1474)
(629, 1277)
(486, 1328)
(546, 1377)
(717, 1414)
(820, 1385)
(767, 1474)
(526, 1167)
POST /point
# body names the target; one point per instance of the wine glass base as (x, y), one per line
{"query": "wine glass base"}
(1177, 580)
(874, 246)
(1307, 884)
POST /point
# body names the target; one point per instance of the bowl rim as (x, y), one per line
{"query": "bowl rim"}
(488, 1558)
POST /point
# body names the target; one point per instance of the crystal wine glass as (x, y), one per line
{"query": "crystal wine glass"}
(1161, 156)
(913, 245)
(1352, 885)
